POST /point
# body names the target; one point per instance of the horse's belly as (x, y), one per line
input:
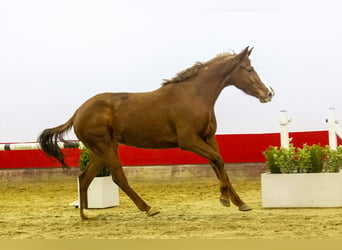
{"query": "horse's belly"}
(164, 145)
(147, 140)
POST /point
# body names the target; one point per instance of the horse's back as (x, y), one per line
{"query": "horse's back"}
(136, 119)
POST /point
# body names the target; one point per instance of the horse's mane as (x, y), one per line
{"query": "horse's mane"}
(190, 72)
(185, 74)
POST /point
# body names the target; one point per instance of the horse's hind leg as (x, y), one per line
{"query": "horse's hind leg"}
(94, 167)
(112, 160)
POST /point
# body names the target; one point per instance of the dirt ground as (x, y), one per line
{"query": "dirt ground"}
(38, 208)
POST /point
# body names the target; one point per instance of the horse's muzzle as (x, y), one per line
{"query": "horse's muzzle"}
(269, 95)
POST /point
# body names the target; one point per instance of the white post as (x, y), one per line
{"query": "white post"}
(284, 133)
(334, 128)
(331, 126)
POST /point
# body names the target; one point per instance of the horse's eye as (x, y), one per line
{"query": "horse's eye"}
(250, 69)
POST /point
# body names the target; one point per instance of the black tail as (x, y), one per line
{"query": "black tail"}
(49, 138)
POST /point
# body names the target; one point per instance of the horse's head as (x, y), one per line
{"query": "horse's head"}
(244, 77)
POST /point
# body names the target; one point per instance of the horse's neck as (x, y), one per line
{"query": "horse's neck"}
(210, 83)
(209, 90)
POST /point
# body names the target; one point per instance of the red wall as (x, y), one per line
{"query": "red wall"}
(236, 148)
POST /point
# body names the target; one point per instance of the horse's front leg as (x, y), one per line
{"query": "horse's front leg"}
(227, 190)
(209, 150)
(225, 195)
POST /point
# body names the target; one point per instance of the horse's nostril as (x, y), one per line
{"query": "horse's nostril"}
(272, 91)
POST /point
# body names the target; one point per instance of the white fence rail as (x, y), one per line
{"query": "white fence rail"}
(35, 145)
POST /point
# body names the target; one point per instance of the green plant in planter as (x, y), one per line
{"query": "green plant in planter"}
(309, 159)
(304, 159)
(271, 155)
(84, 159)
(286, 160)
(318, 156)
(334, 160)
(281, 160)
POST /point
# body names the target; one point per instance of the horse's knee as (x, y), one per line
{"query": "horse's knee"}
(218, 161)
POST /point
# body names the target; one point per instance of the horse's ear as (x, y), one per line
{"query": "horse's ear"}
(250, 51)
(245, 53)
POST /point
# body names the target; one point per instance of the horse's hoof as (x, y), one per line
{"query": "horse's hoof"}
(88, 215)
(152, 212)
(244, 208)
(225, 202)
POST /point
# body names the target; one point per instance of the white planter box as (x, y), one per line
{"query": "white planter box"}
(102, 193)
(301, 190)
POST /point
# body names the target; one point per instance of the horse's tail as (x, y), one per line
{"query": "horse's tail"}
(49, 138)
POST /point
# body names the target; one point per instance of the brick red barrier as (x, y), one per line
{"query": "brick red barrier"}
(235, 148)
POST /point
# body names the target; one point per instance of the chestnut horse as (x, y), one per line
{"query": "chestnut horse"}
(178, 114)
